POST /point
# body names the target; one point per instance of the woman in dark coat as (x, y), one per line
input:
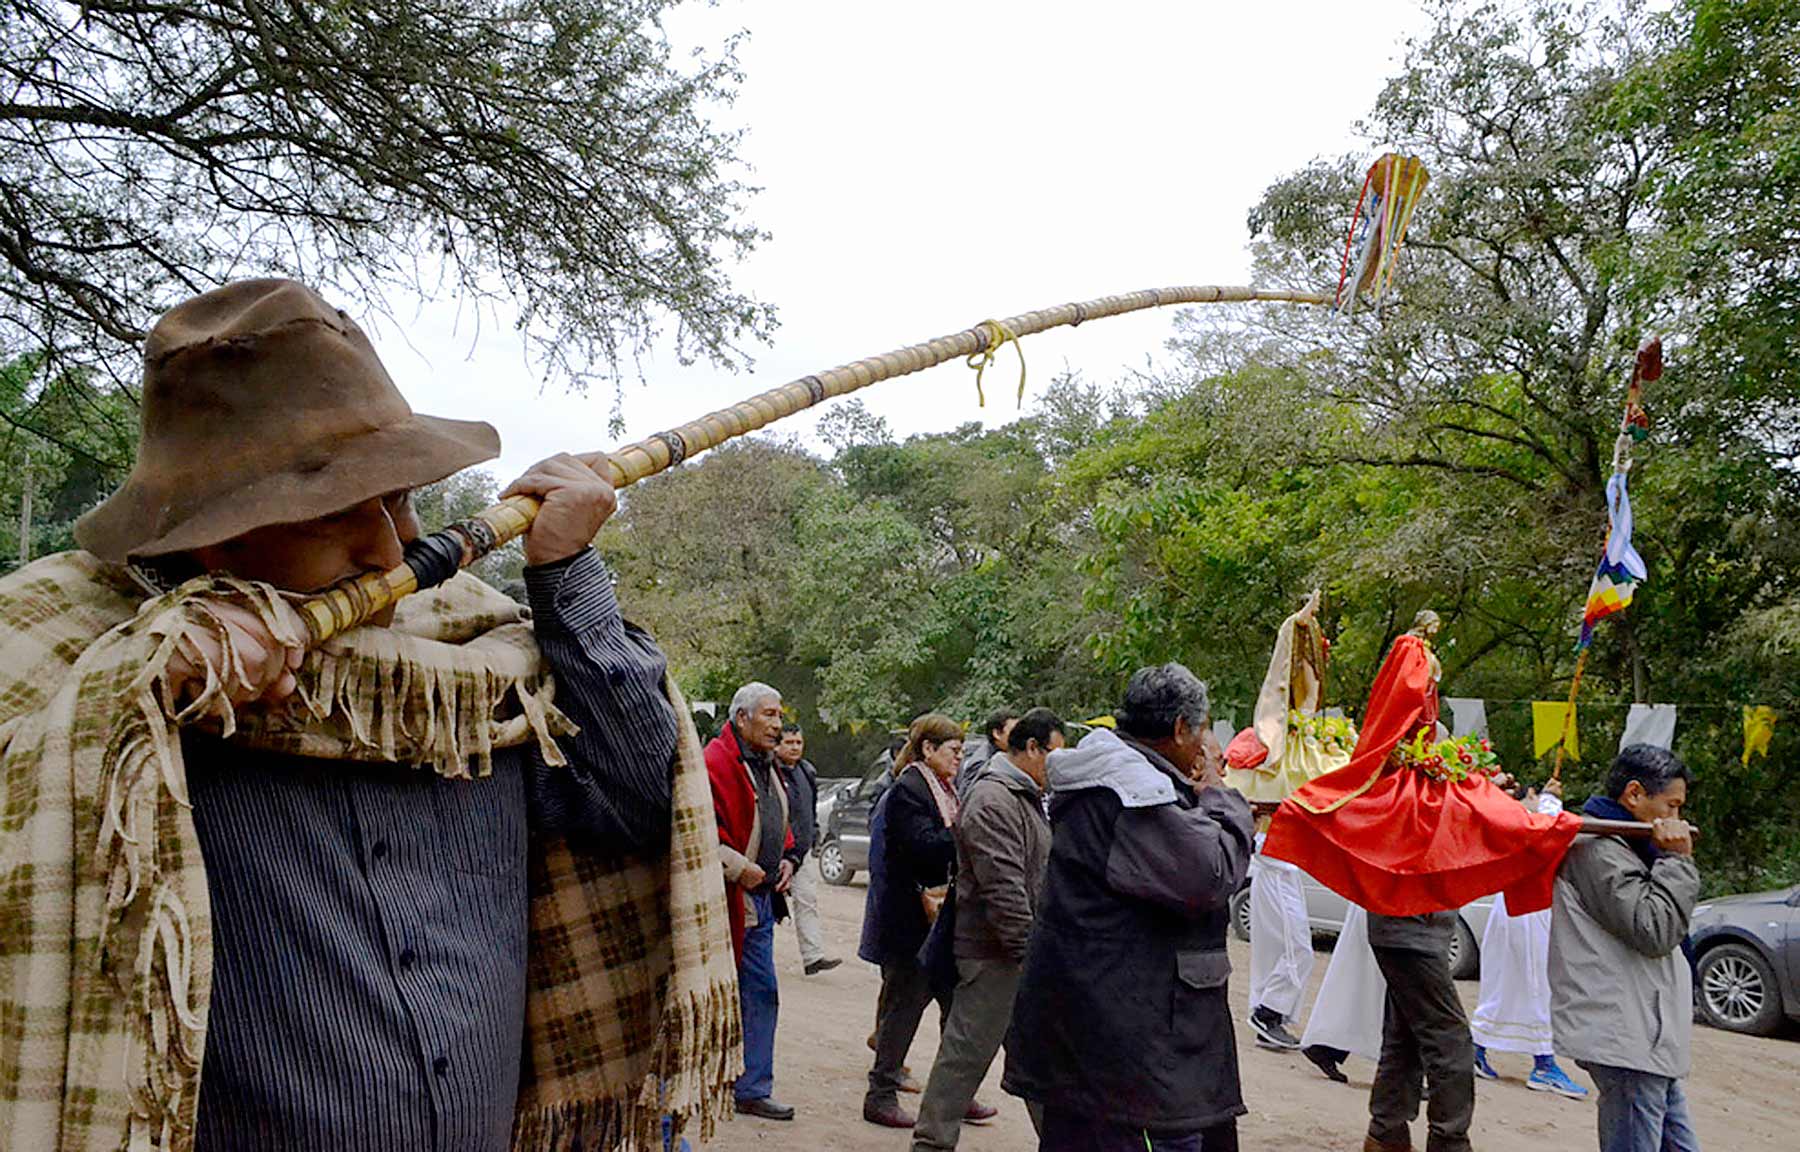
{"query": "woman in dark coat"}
(919, 856)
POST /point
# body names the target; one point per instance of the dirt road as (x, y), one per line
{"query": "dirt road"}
(1745, 1093)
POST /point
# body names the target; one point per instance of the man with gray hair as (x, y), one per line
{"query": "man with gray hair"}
(758, 853)
(1122, 1032)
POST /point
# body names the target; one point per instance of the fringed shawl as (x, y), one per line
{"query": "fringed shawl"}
(105, 926)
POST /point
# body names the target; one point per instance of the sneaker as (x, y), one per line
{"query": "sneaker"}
(818, 966)
(1484, 1070)
(1271, 1031)
(1554, 1079)
(979, 1113)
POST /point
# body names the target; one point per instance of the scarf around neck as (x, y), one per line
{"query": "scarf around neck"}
(943, 797)
(1606, 808)
(104, 915)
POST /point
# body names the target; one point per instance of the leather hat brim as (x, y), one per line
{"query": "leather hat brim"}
(408, 454)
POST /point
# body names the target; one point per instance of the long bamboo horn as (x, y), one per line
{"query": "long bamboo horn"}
(434, 559)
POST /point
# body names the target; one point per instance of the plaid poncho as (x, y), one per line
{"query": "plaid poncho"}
(105, 937)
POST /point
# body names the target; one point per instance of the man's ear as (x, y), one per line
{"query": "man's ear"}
(1633, 794)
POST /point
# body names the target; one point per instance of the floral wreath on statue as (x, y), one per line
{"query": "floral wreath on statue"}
(1454, 760)
(1334, 734)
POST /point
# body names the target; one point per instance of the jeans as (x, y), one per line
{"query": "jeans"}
(1424, 1040)
(760, 1001)
(979, 1014)
(905, 990)
(1641, 1111)
(1072, 1131)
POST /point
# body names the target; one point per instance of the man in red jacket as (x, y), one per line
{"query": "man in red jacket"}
(756, 848)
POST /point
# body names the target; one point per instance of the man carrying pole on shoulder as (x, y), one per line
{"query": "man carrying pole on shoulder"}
(1621, 990)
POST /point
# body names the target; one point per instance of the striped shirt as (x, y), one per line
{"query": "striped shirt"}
(369, 920)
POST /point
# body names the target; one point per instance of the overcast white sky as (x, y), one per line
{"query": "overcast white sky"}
(927, 165)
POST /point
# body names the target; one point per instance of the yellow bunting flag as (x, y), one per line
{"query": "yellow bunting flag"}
(1759, 729)
(1102, 722)
(857, 726)
(1553, 723)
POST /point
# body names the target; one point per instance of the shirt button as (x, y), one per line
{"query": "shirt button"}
(380, 849)
(441, 1065)
(407, 956)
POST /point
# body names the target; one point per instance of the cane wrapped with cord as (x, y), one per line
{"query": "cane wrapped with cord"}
(433, 559)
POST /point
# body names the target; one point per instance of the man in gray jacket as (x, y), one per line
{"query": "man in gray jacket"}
(1621, 991)
(1002, 846)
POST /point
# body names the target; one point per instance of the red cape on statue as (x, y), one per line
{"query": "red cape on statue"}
(1402, 843)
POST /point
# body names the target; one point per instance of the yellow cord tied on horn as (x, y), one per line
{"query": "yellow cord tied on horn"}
(998, 336)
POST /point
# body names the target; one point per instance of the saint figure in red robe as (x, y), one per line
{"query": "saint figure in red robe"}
(1414, 824)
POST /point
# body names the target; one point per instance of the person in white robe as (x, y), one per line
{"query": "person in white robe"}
(1346, 1016)
(1288, 744)
(1514, 1012)
(1281, 948)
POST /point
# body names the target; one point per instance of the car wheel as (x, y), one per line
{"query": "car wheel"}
(1465, 954)
(1240, 913)
(1738, 991)
(832, 866)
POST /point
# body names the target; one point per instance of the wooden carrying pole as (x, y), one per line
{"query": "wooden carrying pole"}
(1590, 825)
(435, 558)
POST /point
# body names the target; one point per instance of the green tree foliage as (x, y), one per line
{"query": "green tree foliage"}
(63, 446)
(553, 155)
(896, 578)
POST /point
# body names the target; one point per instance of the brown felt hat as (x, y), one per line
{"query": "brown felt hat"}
(263, 404)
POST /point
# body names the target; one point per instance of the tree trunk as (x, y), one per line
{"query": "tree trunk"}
(1634, 652)
(25, 510)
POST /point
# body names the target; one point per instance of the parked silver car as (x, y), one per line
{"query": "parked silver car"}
(1326, 910)
(1747, 960)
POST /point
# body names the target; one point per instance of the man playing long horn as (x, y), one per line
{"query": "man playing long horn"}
(1289, 744)
(445, 882)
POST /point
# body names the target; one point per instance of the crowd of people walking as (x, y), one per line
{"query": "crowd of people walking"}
(1069, 904)
(1062, 949)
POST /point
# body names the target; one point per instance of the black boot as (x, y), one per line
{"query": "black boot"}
(1327, 1060)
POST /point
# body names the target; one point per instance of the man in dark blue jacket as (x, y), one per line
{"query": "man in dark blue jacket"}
(1122, 1032)
(802, 781)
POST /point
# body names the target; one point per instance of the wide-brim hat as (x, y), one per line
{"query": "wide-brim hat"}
(262, 405)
